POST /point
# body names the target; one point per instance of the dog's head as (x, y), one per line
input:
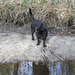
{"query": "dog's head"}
(40, 26)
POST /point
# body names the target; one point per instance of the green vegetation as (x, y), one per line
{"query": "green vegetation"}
(72, 14)
(8, 6)
(25, 2)
(74, 9)
(34, 1)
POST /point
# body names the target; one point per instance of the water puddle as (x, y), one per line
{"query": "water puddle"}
(38, 68)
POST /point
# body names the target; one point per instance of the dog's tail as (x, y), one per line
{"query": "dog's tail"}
(30, 12)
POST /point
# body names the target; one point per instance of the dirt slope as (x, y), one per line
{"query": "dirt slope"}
(16, 47)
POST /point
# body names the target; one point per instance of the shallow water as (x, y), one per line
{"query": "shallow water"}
(38, 68)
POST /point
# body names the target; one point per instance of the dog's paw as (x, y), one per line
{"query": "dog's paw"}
(44, 46)
(38, 44)
(33, 39)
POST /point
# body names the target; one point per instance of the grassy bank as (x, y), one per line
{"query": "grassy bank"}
(53, 14)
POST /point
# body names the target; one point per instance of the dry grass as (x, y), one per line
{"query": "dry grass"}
(52, 14)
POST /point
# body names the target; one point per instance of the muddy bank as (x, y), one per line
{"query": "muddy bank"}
(16, 47)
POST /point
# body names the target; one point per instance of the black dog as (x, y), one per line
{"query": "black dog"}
(40, 29)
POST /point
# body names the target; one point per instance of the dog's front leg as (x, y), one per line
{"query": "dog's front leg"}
(32, 36)
(38, 41)
(32, 32)
(44, 45)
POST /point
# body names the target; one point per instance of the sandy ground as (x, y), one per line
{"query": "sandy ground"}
(16, 47)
